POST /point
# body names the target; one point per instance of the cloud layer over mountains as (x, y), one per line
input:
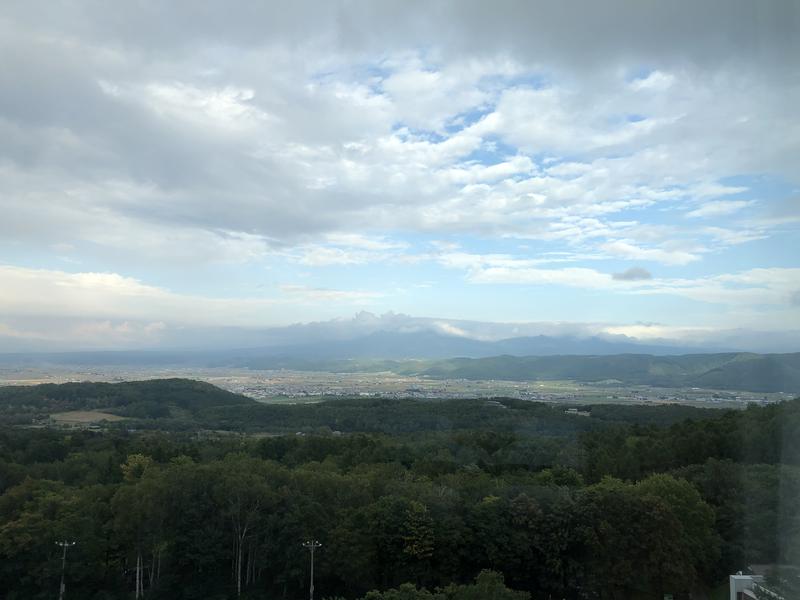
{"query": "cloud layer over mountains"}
(169, 170)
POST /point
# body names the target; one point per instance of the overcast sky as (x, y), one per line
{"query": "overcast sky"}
(170, 167)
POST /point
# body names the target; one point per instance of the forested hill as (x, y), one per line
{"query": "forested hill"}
(153, 398)
(731, 371)
(183, 404)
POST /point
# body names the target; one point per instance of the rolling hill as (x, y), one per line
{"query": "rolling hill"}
(728, 371)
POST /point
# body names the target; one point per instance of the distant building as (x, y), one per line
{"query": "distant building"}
(741, 587)
(579, 413)
(748, 587)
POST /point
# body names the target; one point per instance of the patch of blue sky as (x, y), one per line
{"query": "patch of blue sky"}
(761, 186)
(41, 257)
(551, 254)
(376, 277)
(380, 68)
(639, 209)
(534, 81)
(548, 159)
(493, 150)
(561, 303)
(638, 73)
(406, 132)
(623, 119)
(220, 280)
(667, 308)
(469, 117)
(779, 249)
(375, 71)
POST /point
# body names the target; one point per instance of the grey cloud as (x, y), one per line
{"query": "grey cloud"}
(633, 274)
(573, 30)
(61, 131)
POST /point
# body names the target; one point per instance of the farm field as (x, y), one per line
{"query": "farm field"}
(82, 417)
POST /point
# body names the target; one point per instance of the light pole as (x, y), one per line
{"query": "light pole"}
(64, 545)
(312, 545)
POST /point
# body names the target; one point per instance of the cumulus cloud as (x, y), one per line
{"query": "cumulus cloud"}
(155, 144)
(313, 144)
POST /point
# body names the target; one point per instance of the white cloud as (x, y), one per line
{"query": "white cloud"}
(311, 294)
(575, 277)
(113, 298)
(754, 287)
(150, 145)
(735, 236)
(450, 329)
(625, 249)
(365, 242)
(657, 81)
(719, 208)
(659, 331)
(348, 249)
(290, 155)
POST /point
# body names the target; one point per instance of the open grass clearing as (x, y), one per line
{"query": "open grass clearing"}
(84, 416)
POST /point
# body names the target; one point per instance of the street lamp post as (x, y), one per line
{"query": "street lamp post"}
(64, 545)
(312, 545)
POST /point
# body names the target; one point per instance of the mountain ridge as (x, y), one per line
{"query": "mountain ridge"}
(391, 345)
(724, 371)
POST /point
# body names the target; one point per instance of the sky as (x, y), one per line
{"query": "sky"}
(171, 170)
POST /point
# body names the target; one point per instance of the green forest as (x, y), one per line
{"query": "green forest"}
(200, 493)
(729, 371)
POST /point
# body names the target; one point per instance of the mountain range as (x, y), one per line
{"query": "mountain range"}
(379, 345)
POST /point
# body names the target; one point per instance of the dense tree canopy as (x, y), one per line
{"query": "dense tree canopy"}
(624, 508)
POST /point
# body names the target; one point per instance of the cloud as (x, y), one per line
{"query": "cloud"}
(110, 297)
(574, 277)
(625, 249)
(729, 237)
(311, 294)
(719, 208)
(450, 329)
(348, 249)
(633, 274)
(339, 135)
(754, 287)
(157, 146)
(654, 81)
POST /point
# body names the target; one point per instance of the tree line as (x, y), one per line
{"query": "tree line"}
(619, 510)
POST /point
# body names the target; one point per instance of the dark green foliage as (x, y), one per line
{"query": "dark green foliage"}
(397, 416)
(661, 415)
(489, 585)
(153, 399)
(731, 371)
(769, 434)
(415, 500)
